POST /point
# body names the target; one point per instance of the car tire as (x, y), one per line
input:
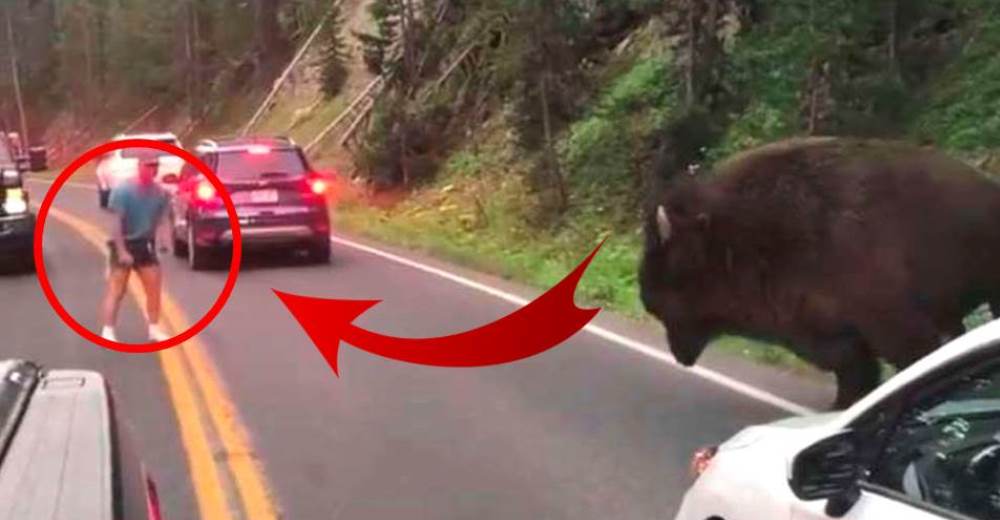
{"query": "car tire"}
(180, 246)
(320, 252)
(27, 263)
(199, 257)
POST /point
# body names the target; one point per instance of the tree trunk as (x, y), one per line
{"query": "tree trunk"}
(271, 45)
(12, 49)
(692, 52)
(893, 41)
(551, 159)
(88, 54)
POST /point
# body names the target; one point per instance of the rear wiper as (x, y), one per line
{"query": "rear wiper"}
(274, 175)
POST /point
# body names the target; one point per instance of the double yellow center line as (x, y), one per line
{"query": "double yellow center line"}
(216, 443)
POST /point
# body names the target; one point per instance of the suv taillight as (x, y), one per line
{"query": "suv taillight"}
(317, 186)
(205, 192)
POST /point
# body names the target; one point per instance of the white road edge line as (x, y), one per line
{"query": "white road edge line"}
(718, 378)
(631, 344)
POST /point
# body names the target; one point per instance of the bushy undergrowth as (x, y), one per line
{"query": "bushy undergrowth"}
(482, 209)
(963, 112)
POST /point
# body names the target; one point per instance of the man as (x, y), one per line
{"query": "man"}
(139, 208)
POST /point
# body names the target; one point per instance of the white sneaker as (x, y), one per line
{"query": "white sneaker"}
(108, 333)
(156, 334)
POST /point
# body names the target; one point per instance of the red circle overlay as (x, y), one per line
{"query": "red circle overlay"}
(234, 264)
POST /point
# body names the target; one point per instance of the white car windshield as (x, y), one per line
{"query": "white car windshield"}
(148, 153)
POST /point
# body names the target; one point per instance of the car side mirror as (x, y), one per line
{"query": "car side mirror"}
(38, 159)
(170, 178)
(829, 470)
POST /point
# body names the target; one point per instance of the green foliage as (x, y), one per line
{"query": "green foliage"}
(964, 109)
(601, 147)
(385, 14)
(480, 212)
(769, 69)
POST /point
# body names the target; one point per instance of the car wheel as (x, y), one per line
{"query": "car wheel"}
(180, 246)
(27, 263)
(199, 257)
(320, 252)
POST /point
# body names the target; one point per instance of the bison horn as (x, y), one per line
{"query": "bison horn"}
(663, 224)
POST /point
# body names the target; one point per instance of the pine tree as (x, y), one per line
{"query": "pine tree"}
(333, 56)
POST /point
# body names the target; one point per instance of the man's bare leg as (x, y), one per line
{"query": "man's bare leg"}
(117, 283)
(152, 284)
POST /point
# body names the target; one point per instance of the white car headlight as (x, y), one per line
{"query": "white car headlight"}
(9, 174)
(15, 202)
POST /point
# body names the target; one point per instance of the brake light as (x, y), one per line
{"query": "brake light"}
(702, 459)
(258, 149)
(318, 186)
(205, 191)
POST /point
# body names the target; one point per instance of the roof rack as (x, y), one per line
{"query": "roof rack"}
(236, 143)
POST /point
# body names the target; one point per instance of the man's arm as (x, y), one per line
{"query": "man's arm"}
(118, 235)
(164, 236)
(116, 205)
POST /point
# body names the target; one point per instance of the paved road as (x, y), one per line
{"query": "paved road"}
(588, 430)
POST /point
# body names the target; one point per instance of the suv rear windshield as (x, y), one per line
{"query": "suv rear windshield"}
(250, 166)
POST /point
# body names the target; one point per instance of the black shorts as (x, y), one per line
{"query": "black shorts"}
(143, 253)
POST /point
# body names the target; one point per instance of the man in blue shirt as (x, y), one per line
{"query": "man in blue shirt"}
(139, 207)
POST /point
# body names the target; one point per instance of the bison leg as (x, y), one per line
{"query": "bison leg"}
(901, 336)
(951, 330)
(858, 374)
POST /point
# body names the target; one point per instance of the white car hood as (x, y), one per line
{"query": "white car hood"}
(792, 431)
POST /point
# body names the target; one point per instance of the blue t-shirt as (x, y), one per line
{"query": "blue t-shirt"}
(140, 207)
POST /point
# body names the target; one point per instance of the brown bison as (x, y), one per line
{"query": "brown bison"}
(845, 250)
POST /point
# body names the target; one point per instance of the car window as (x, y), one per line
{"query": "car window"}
(5, 156)
(249, 166)
(945, 449)
(188, 171)
(145, 153)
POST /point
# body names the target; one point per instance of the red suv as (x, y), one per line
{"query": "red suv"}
(281, 202)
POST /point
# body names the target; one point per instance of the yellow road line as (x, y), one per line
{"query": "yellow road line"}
(250, 481)
(204, 474)
(249, 476)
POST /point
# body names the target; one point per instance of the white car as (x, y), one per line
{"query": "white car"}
(121, 165)
(924, 445)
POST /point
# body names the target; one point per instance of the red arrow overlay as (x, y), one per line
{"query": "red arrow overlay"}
(539, 326)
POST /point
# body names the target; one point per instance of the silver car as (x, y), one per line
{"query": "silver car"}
(63, 454)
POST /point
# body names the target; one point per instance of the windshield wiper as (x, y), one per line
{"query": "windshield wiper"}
(17, 381)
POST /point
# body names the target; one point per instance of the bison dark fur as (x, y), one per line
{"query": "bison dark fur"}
(845, 250)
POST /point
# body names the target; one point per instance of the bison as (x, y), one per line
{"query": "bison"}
(846, 250)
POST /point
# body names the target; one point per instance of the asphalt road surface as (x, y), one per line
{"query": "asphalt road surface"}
(592, 429)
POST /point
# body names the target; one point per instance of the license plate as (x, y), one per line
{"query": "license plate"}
(264, 196)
